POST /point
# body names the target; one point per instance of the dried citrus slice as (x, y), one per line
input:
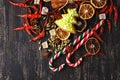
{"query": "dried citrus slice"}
(92, 46)
(80, 25)
(62, 34)
(98, 3)
(86, 11)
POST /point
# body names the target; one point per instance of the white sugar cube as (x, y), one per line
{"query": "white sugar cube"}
(52, 32)
(45, 44)
(44, 10)
(102, 16)
(36, 2)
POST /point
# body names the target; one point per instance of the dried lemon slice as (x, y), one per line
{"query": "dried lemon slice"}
(92, 46)
(86, 11)
(62, 34)
(98, 3)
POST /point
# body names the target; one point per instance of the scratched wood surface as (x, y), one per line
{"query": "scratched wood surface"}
(21, 60)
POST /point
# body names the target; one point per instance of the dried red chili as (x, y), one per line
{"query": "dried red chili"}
(98, 37)
(109, 25)
(111, 7)
(101, 31)
(30, 16)
(107, 10)
(115, 14)
(103, 9)
(42, 34)
(21, 5)
(25, 27)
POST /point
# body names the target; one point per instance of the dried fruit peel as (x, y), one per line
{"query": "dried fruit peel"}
(67, 20)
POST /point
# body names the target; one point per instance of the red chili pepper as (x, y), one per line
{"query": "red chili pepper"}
(54, 12)
(45, 23)
(107, 11)
(42, 34)
(57, 15)
(111, 7)
(87, 55)
(109, 25)
(103, 9)
(22, 5)
(29, 28)
(40, 11)
(101, 31)
(26, 27)
(20, 28)
(98, 37)
(26, 1)
(30, 16)
(115, 14)
(29, 10)
(34, 8)
(51, 12)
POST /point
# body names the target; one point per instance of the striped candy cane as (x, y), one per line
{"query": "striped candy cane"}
(57, 55)
(79, 44)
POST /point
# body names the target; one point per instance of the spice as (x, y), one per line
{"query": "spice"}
(32, 16)
(111, 7)
(57, 41)
(46, 54)
(21, 5)
(115, 14)
(41, 35)
(69, 48)
(103, 9)
(109, 25)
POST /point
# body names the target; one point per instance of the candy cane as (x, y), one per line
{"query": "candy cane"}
(79, 44)
(63, 50)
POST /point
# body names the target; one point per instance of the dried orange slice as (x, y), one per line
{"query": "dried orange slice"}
(92, 46)
(80, 25)
(62, 34)
(86, 11)
(98, 3)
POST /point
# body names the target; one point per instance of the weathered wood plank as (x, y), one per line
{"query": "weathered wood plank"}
(21, 60)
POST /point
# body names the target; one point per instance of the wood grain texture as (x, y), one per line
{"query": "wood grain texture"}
(21, 60)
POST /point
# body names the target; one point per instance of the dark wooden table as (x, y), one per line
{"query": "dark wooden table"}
(21, 60)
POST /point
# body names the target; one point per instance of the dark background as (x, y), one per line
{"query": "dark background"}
(21, 60)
